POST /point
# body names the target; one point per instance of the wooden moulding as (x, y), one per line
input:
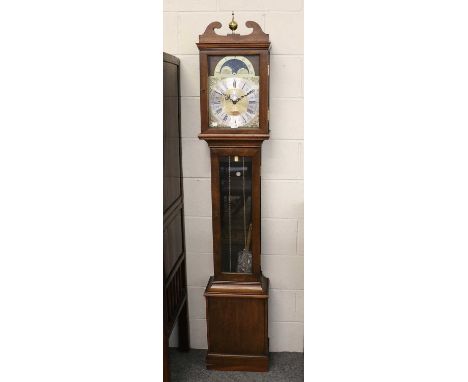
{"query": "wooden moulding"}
(251, 289)
(237, 144)
(231, 138)
(255, 40)
(229, 362)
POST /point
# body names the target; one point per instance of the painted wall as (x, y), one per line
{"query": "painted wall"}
(282, 163)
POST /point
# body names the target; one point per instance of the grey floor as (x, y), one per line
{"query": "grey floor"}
(190, 367)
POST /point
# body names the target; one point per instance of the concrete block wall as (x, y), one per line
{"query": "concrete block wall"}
(282, 164)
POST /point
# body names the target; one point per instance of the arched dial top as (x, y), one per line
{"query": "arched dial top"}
(234, 65)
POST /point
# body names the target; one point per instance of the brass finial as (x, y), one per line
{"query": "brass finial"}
(233, 24)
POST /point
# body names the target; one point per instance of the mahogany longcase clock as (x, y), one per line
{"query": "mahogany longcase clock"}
(234, 98)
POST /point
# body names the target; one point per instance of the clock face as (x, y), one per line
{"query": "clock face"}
(234, 94)
(233, 102)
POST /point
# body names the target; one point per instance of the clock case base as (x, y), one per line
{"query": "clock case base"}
(230, 362)
(237, 325)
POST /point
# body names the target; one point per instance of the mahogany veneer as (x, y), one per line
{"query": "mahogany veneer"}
(236, 303)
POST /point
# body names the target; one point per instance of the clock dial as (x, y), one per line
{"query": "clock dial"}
(234, 94)
(233, 102)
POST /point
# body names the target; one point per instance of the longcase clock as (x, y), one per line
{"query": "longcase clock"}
(234, 94)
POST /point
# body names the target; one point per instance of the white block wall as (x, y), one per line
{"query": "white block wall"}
(282, 164)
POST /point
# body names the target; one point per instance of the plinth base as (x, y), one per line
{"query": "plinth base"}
(230, 362)
(237, 320)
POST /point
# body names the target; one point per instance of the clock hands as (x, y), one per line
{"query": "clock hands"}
(235, 100)
(226, 96)
(246, 94)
